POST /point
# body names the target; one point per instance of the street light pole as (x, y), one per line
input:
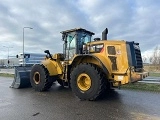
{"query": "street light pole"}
(23, 41)
(8, 52)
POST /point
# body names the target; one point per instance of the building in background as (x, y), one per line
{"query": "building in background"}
(11, 62)
(29, 59)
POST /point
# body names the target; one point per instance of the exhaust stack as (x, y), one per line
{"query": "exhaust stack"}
(104, 34)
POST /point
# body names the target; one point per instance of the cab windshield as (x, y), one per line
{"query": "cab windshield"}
(85, 38)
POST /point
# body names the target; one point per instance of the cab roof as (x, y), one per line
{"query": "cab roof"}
(78, 30)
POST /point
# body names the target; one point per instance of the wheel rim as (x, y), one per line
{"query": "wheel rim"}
(84, 82)
(36, 77)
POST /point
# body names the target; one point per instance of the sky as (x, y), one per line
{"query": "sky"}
(130, 20)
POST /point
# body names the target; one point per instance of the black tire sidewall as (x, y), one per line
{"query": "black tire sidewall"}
(40, 70)
(95, 81)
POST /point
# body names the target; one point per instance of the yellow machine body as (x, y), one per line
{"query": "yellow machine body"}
(123, 73)
(53, 66)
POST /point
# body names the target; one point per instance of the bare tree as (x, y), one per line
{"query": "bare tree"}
(144, 59)
(155, 58)
(150, 60)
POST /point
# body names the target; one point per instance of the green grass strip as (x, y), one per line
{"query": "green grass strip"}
(6, 75)
(154, 74)
(142, 86)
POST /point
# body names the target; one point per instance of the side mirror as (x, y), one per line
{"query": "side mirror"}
(46, 51)
(16, 56)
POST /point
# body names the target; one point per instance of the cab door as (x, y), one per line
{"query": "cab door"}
(70, 46)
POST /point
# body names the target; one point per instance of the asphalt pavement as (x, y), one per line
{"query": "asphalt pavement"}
(60, 104)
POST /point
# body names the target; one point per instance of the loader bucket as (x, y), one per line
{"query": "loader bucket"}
(21, 77)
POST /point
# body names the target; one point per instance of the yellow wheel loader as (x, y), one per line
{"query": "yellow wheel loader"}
(89, 66)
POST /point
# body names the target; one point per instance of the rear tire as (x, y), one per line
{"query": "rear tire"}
(88, 82)
(39, 78)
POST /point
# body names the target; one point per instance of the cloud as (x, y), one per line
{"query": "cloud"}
(133, 21)
(137, 20)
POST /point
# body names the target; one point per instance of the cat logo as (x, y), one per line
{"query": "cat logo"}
(118, 52)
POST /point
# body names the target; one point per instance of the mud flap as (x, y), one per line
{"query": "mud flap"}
(21, 77)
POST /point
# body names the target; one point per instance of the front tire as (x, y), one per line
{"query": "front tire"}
(39, 78)
(88, 82)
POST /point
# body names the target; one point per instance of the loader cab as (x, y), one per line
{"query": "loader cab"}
(74, 40)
